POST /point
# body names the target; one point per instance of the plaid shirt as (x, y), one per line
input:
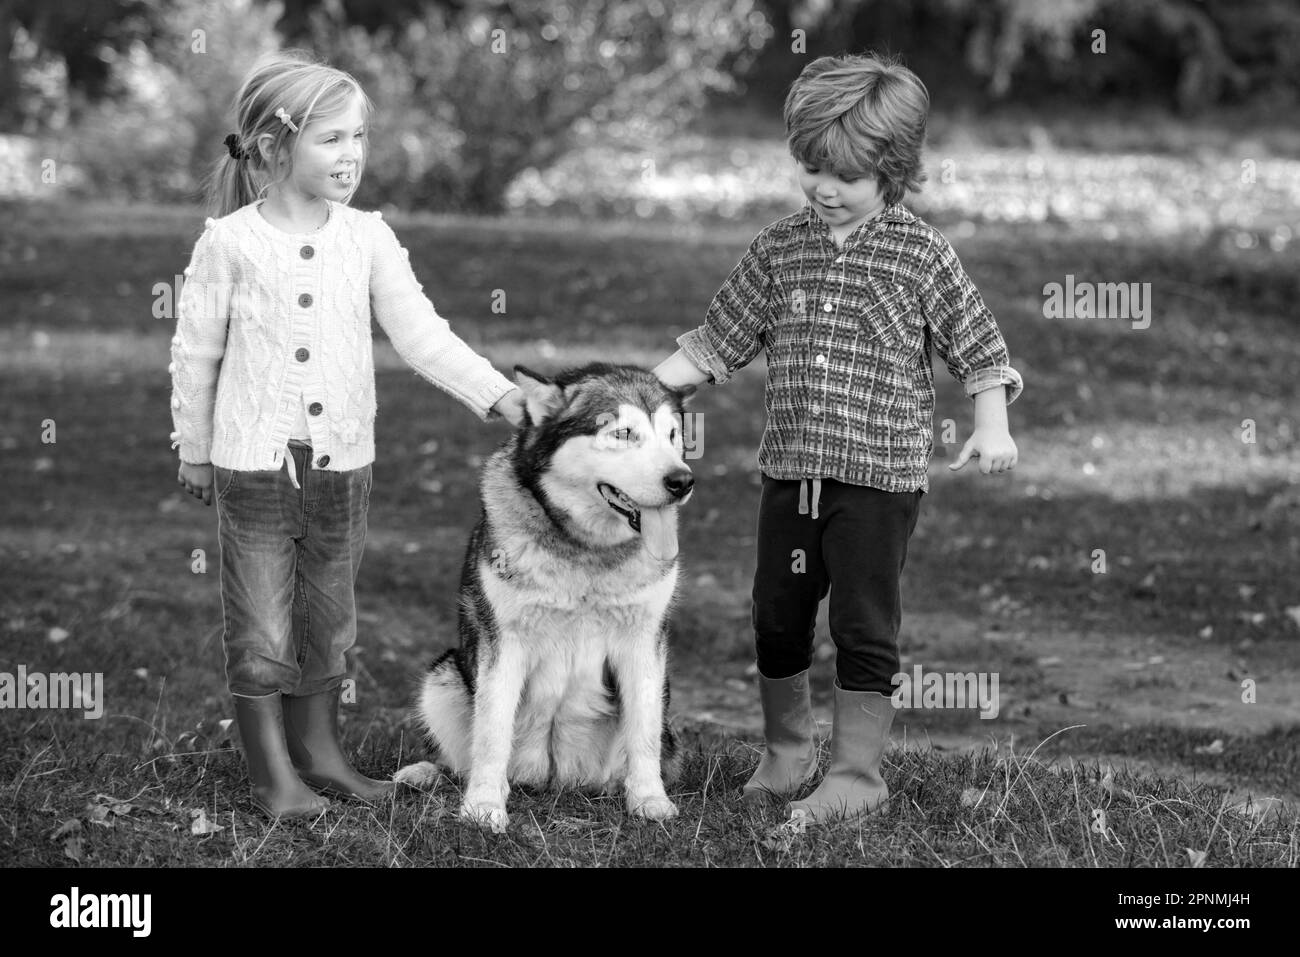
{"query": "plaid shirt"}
(850, 389)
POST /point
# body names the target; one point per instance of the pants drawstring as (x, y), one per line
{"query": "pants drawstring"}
(803, 496)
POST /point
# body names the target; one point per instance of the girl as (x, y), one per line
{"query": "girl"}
(273, 402)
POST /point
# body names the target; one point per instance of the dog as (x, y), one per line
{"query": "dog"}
(560, 677)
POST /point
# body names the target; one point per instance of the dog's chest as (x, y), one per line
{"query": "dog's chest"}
(573, 604)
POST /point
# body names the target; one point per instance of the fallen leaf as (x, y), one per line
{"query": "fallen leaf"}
(1293, 612)
(1246, 592)
(971, 797)
(57, 634)
(1196, 857)
(199, 823)
(72, 848)
(1205, 633)
(1214, 747)
(71, 826)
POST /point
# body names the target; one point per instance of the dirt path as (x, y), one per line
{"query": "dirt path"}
(1059, 678)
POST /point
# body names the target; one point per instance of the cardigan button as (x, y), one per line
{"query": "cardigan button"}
(315, 408)
(304, 300)
(302, 355)
(306, 252)
(323, 461)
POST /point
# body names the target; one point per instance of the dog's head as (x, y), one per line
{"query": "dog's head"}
(602, 447)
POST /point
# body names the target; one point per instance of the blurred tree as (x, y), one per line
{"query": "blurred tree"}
(1188, 54)
(80, 34)
(157, 131)
(473, 95)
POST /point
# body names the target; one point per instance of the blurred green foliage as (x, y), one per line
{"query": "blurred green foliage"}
(132, 96)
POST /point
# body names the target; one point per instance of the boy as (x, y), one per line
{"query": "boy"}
(846, 296)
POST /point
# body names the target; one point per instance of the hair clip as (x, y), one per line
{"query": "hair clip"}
(232, 144)
(283, 116)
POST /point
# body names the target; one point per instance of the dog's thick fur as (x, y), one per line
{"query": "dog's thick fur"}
(560, 676)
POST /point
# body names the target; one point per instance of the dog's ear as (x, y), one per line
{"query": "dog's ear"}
(542, 397)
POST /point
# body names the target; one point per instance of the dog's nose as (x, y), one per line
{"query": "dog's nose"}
(679, 482)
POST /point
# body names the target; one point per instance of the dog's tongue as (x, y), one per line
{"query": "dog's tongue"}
(659, 532)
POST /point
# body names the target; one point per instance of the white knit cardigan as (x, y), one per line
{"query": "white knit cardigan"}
(269, 322)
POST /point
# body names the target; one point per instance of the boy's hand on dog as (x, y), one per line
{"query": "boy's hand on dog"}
(511, 407)
(995, 449)
(198, 480)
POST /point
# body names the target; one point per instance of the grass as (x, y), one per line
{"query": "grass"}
(138, 808)
(1130, 443)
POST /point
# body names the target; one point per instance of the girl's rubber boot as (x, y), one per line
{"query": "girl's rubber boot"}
(277, 789)
(312, 728)
(790, 738)
(853, 785)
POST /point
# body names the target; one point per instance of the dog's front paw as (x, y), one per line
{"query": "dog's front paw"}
(424, 775)
(654, 808)
(485, 814)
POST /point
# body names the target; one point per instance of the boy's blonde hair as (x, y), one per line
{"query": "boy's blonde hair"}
(862, 116)
(306, 90)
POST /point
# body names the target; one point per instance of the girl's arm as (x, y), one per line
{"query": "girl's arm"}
(202, 315)
(421, 336)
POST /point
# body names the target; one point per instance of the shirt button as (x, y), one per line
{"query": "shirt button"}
(315, 408)
(817, 409)
(302, 355)
(306, 252)
(827, 306)
(304, 300)
(821, 360)
(323, 461)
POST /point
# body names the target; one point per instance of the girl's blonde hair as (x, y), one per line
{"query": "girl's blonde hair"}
(861, 115)
(305, 89)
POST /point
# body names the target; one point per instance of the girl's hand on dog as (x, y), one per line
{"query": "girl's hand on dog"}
(198, 480)
(511, 407)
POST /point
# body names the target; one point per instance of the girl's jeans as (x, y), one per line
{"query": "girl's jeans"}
(289, 561)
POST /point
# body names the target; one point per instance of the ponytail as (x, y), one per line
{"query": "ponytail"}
(231, 185)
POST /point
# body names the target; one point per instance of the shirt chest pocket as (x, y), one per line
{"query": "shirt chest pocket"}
(891, 318)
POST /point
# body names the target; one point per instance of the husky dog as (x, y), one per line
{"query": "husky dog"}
(560, 678)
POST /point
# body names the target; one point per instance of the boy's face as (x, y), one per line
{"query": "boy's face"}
(841, 200)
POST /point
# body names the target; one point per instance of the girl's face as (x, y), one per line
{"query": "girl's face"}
(328, 155)
(841, 201)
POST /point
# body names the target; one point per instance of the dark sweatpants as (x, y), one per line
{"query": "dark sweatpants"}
(857, 544)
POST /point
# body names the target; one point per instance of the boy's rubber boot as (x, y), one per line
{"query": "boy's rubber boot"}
(853, 784)
(790, 738)
(311, 725)
(277, 789)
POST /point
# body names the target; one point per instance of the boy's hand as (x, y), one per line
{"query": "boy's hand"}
(511, 407)
(198, 480)
(993, 447)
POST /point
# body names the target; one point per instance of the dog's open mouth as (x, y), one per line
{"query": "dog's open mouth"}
(657, 526)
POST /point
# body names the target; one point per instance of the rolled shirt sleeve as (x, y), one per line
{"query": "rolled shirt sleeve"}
(737, 319)
(963, 329)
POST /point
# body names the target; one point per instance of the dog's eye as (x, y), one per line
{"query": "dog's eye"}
(622, 435)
